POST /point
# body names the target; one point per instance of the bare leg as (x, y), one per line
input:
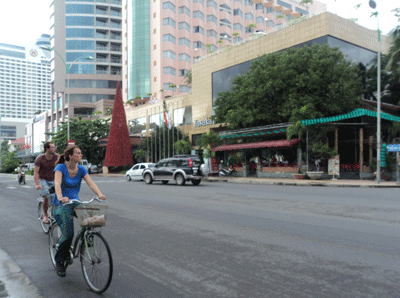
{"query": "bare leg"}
(45, 208)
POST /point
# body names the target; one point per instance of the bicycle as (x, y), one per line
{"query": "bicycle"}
(50, 195)
(89, 245)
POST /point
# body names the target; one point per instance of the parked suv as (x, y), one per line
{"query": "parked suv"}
(180, 168)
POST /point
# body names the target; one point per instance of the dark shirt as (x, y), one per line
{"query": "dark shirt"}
(46, 167)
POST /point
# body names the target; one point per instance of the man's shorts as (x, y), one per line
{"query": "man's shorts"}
(45, 186)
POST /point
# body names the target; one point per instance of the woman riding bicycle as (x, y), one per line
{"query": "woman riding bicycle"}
(67, 180)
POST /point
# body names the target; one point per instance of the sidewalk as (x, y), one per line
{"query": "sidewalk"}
(305, 182)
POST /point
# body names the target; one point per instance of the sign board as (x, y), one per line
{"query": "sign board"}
(70, 143)
(333, 166)
(393, 148)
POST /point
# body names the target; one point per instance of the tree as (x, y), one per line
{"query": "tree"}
(394, 51)
(278, 85)
(236, 35)
(220, 41)
(208, 141)
(208, 46)
(183, 146)
(251, 26)
(188, 78)
(9, 160)
(85, 133)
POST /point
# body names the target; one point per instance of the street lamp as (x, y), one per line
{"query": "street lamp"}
(372, 4)
(68, 69)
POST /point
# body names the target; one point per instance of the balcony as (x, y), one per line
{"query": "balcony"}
(101, 48)
(101, 71)
(102, 60)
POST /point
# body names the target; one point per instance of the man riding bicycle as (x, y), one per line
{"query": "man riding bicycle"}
(44, 174)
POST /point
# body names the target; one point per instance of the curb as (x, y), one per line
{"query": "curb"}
(355, 183)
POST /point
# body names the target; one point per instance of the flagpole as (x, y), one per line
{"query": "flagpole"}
(173, 127)
(152, 151)
(159, 131)
(147, 135)
(169, 125)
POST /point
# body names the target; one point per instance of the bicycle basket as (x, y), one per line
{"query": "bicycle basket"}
(91, 215)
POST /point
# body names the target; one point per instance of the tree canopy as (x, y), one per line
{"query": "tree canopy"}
(279, 85)
(85, 133)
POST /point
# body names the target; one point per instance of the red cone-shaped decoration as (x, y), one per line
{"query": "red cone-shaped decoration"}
(119, 152)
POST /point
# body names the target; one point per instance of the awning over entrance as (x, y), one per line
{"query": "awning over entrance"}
(269, 144)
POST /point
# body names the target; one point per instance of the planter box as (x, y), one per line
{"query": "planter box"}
(299, 176)
(315, 175)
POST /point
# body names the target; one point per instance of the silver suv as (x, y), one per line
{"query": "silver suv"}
(180, 168)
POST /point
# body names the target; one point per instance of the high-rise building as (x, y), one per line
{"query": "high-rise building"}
(164, 38)
(24, 87)
(86, 61)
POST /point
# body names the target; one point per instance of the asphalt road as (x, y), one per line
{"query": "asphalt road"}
(222, 240)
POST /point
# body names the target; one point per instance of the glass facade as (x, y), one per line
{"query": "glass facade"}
(79, 9)
(139, 48)
(222, 79)
(137, 125)
(74, 21)
(183, 116)
(80, 32)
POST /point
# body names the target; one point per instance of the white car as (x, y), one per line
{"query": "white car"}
(135, 173)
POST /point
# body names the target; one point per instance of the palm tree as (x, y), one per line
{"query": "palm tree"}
(394, 51)
(173, 86)
(251, 27)
(280, 18)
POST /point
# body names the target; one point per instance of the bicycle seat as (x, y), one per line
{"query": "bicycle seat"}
(52, 189)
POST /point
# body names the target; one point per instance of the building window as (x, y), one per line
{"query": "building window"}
(212, 3)
(241, 1)
(270, 23)
(184, 25)
(212, 32)
(198, 29)
(302, 11)
(270, 10)
(198, 14)
(224, 7)
(184, 9)
(169, 37)
(248, 2)
(237, 12)
(212, 18)
(184, 41)
(169, 70)
(259, 20)
(184, 88)
(169, 54)
(198, 45)
(237, 26)
(249, 16)
(225, 22)
(279, 13)
(198, 1)
(169, 5)
(260, 6)
(169, 21)
(184, 57)
(284, 4)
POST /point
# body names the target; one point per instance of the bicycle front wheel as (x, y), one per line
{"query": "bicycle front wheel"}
(96, 262)
(45, 227)
(54, 237)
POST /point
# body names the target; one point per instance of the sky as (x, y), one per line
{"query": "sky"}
(23, 21)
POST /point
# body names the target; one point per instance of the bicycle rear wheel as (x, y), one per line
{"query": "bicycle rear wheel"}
(45, 227)
(54, 237)
(96, 262)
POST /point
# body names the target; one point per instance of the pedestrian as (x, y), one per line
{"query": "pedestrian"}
(44, 174)
(68, 179)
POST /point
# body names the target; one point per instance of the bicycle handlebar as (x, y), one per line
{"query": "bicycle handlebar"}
(85, 202)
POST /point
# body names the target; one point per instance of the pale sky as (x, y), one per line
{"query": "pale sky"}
(23, 21)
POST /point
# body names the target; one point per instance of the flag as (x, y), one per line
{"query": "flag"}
(167, 118)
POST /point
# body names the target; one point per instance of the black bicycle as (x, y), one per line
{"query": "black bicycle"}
(89, 245)
(50, 195)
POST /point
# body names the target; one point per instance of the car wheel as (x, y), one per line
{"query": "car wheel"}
(196, 182)
(128, 178)
(148, 179)
(164, 181)
(180, 180)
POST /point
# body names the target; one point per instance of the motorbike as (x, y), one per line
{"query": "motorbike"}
(21, 178)
(226, 172)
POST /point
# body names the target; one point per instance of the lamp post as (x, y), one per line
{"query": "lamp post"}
(372, 4)
(68, 69)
